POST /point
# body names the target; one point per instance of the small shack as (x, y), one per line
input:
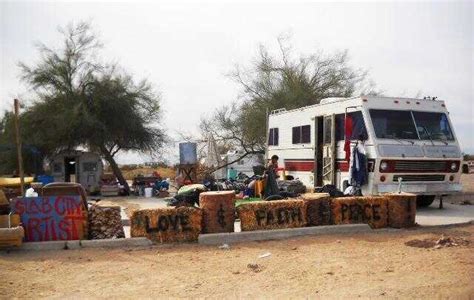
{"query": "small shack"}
(78, 166)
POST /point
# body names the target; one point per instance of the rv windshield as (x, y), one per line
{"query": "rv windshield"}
(433, 126)
(393, 124)
(400, 124)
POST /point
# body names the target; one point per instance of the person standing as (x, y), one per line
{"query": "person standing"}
(271, 186)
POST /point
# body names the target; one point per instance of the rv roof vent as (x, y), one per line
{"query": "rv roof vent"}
(331, 100)
(276, 111)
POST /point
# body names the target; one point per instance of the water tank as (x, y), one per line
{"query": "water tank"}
(187, 153)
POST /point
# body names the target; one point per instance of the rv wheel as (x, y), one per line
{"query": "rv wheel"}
(424, 201)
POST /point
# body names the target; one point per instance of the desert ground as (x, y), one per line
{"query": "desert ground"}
(358, 266)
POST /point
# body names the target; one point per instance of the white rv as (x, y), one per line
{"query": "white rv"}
(409, 144)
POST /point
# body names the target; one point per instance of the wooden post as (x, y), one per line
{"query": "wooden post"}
(18, 146)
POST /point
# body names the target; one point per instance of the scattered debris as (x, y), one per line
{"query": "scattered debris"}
(330, 273)
(268, 254)
(224, 247)
(255, 267)
(450, 242)
(294, 248)
(438, 243)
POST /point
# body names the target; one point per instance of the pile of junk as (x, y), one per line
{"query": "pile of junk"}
(257, 186)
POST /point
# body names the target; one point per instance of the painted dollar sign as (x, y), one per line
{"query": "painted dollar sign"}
(220, 216)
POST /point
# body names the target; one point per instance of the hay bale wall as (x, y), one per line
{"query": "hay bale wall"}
(167, 225)
(218, 211)
(318, 208)
(356, 210)
(272, 215)
(105, 222)
(401, 210)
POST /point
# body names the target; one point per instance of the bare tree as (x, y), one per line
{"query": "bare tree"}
(281, 80)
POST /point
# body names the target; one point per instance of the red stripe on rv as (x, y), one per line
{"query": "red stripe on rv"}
(299, 165)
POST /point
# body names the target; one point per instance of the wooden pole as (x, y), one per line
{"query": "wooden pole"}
(18, 146)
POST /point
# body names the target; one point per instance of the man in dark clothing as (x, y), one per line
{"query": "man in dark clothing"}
(271, 186)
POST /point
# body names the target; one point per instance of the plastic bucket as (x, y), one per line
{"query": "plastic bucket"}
(148, 192)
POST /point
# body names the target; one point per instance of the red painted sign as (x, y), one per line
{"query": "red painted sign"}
(51, 218)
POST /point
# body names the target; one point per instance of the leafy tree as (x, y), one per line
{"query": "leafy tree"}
(83, 102)
(32, 157)
(281, 81)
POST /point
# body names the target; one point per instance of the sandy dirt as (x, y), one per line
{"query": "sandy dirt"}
(366, 266)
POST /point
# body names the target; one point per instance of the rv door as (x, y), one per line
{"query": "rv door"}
(329, 150)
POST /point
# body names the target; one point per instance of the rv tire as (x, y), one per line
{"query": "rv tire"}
(424, 200)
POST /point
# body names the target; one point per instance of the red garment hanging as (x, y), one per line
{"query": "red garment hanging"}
(347, 135)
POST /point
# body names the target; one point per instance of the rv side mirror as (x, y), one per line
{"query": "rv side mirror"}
(465, 169)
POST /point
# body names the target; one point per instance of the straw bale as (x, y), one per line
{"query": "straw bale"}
(263, 215)
(218, 211)
(10, 237)
(167, 225)
(3, 198)
(401, 210)
(356, 210)
(14, 220)
(318, 208)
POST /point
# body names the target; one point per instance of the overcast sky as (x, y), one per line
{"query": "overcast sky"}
(185, 49)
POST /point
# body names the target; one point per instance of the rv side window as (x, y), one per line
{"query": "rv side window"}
(302, 134)
(273, 137)
(356, 126)
(327, 130)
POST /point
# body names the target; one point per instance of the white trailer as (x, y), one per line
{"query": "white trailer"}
(411, 139)
(77, 166)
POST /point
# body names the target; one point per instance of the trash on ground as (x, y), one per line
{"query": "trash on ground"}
(437, 243)
(224, 247)
(255, 267)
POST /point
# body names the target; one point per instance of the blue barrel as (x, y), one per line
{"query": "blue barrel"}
(187, 153)
(45, 179)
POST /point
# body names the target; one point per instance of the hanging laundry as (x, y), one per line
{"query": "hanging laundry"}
(358, 166)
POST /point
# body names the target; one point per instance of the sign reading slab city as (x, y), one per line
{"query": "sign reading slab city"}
(52, 218)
